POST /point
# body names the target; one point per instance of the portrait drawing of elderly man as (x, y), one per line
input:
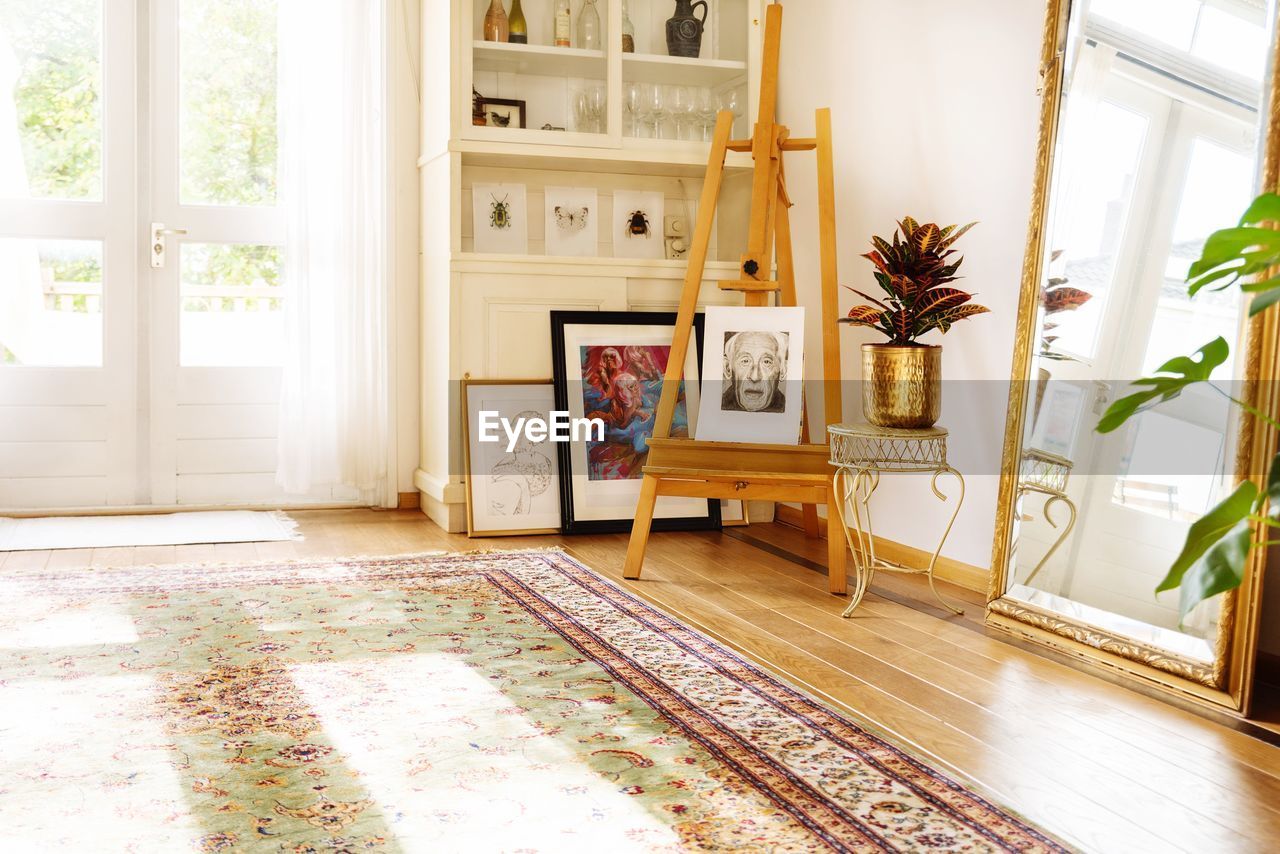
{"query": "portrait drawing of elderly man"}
(755, 368)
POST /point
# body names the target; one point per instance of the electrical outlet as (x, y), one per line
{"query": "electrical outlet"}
(675, 225)
(677, 247)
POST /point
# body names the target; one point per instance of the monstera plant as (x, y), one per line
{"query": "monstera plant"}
(1217, 547)
(913, 272)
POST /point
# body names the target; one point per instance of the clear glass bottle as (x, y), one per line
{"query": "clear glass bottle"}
(518, 28)
(590, 30)
(495, 22)
(563, 26)
(628, 30)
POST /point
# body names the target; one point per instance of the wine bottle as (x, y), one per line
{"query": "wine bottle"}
(518, 29)
(589, 29)
(628, 30)
(495, 22)
(563, 25)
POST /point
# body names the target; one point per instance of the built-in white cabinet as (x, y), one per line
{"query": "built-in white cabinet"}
(486, 315)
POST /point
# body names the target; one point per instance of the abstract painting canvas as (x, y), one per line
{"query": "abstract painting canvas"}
(609, 366)
(513, 484)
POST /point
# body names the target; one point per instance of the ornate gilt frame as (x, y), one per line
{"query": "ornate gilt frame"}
(1227, 681)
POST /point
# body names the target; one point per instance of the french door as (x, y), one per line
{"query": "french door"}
(141, 317)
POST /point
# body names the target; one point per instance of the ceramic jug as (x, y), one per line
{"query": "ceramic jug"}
(684, 29)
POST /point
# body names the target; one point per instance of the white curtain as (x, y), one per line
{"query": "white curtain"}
(334, 411)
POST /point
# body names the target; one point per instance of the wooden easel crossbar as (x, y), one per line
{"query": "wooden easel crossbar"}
(736, 470)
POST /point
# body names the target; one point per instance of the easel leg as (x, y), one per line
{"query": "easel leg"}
(836, 552)
(640, 527)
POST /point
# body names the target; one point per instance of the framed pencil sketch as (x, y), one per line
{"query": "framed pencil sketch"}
(573, 226)
(609, 365)
(753, 374)
(500, 218)
(513, 485)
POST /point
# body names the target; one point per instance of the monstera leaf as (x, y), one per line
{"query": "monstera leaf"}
(1249, 250)
(1183, 370)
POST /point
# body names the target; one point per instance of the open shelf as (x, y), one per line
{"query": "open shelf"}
(681, 71)
(543, 60)
(639, 157)
(657, 268)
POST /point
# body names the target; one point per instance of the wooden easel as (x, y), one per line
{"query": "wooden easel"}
(699, 469)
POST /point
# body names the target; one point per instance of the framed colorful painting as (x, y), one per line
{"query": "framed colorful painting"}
(609, 365)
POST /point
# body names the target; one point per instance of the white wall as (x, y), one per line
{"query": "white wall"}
(934, 112)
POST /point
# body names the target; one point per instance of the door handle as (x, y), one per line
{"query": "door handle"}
(158, 243)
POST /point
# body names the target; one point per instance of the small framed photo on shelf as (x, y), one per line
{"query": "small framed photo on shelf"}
(501, 112)
(609, 365)
(513, 484)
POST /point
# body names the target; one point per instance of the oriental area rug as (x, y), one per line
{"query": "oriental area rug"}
(466, 702)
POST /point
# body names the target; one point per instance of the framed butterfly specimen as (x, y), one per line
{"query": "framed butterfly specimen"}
(572, 221)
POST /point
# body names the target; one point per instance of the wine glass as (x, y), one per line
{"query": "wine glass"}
(597, 107)
(730, 100)
(655, 109)
(705, 107)
(680, 104)
(631, 108)
(582, 112)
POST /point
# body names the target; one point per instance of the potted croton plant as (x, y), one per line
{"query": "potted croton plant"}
(902, 378)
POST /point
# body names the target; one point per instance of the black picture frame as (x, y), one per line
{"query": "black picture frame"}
(560, 380)
(486, 103)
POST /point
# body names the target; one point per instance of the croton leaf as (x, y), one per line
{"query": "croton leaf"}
(926, 238)
(904, 287)
(943, 320)
(864, 315)
(1063, 298)
(867, 297)
(877, 259)
(954, 236)
(1213, 557)
(908, 226)
(939, 299)
(1185, 371)
(900, 322)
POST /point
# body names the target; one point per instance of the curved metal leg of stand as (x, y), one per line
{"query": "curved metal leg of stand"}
(933, 561)
(855, 493)
(1066, 532)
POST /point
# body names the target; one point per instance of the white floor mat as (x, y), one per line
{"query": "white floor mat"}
(160, 529)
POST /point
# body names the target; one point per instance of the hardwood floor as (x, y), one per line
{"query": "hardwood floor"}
(1101, 765)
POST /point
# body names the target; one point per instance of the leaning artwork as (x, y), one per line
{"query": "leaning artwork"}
(753, 373)
(621, 385)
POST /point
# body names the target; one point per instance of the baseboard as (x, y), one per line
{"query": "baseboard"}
(965, 575)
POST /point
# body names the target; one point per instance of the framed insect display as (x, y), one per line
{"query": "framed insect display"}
(502, 112)
(500, 218)
(637, 224)
(572, 226)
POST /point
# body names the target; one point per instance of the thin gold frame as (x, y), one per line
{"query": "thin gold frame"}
(1227, 681)
(467, 382)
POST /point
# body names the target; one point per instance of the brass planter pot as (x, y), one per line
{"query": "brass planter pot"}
(902, 385)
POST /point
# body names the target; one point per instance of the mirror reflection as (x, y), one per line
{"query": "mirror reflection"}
(1157, 147)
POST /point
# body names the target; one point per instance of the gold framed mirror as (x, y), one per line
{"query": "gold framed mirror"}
(1157, 127)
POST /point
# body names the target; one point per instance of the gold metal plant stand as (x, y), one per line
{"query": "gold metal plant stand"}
(861, 453)
(1046, 474)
